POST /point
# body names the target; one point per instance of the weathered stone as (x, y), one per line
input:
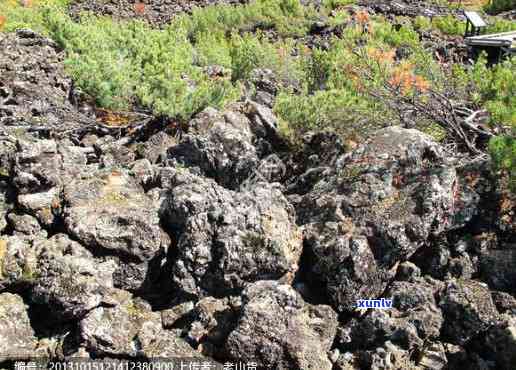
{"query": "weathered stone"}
(5, 207)
(220, 146)
(500, 342)
(170, 316)
(504, 302)
(25, 224)
(392, 193)
(155, 148)
(130, 328)
(498, 269)
(468, 310)
(345, 264)
(278, 330)
(213, 320)
(68, 278)
(416, 303)
(111, 211)
(17, 338)
(433, 357)
(35, 90)
(227, 239)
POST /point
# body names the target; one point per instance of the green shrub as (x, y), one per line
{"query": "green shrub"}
(249, 52)
(450, 25)
(335, 4)
(384, 31)
(500, 25)
(503, 153)
(317, 67)
(422, 23)
(338, 110)
(497, 6)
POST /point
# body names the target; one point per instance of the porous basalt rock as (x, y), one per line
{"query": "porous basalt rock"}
(277, 329)
(227, 239)
(129, 328)
(388, 197)
(17, 339)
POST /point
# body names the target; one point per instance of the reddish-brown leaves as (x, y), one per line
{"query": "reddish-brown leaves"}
(139, 8)
(26, 3)
(404, 79)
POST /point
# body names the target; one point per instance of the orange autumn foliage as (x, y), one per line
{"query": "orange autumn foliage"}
(380, 56)
(139, 8)
(362, 17)
(3, 19)
(404, 79)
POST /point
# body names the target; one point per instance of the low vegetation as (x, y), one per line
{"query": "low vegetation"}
(497, 6)
(129, 65)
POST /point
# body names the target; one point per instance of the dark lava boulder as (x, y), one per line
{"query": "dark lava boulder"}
(385, 199)
(58, 272)
(17, 339)
(110, 213)
(227, 239)
(220, 145)
(232, 146)
(278, 330)
(128, 327)
(468, 310)
(35, 91)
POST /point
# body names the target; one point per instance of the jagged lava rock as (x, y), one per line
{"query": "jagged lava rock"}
(227, 239)
(17, 338)
(278, 330)
(129, 328)
(468, 310)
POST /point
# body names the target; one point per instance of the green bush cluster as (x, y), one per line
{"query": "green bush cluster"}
(495, 89)
(503, 153)
(287, 17)
(497, 6)
(126, 64)
(450, 25)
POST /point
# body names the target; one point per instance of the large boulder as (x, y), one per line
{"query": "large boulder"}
(278, 330)
(5, 207)
(68, 278)
(500, 342)
(385, 199)
(35, 90)
(110, 213)
(59, 272)
(129, 328)
(221, 145)
(228, 239)
(344, 264)
(40, 169)
(468, 310)
(233, 145)
(17, 339)
(498, 268)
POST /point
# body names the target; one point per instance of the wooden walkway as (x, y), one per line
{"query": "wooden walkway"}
(504, 39)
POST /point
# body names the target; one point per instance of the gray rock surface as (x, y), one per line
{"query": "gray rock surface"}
(278, 330)
(17, 338)
(129, 328)
(384, 200)
(468, 310)
(227, 239)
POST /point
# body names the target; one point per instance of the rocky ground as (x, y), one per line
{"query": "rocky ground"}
(222, 242)
(155, 12)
